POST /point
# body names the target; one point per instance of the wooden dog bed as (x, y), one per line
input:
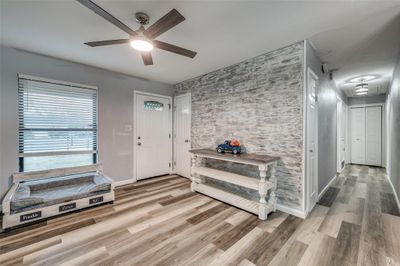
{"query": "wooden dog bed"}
(38, 195)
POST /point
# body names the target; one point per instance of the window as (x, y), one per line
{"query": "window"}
(57, 124)
(153, 106)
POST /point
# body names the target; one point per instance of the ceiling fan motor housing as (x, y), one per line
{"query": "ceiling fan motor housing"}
(142, 18)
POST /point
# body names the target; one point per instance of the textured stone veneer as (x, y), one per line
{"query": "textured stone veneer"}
(260, 102)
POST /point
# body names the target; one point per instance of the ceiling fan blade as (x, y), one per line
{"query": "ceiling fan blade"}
(168, 21)
(147, 59)
(107, 16)
(108, 42)
(174, 49)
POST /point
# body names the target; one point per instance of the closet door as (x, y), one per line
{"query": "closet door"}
(373, 135)
(358, 135)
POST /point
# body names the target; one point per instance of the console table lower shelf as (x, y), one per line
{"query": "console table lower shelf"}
(230, 198)
(265, 186)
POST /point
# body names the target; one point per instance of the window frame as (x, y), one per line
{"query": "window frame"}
(95, 152)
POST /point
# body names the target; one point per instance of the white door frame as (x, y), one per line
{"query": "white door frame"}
(175, 125)
(339, 103)
(340, 132)
(307, 178)
(135, 133)
(384, 145)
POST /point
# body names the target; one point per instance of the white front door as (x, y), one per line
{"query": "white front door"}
(358, 135)
(312, 140)
(152, 141)
(373, 135)
(182, 144)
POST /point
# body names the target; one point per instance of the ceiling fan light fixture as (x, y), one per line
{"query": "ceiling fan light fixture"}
(141, 44)
(361, 93)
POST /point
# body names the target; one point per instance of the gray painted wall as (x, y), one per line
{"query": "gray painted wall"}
(259, 101)
(327, 141)
(115, 94)
(367, 100)
(394, 129)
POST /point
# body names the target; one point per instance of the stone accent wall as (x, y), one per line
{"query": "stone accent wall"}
(260, 102)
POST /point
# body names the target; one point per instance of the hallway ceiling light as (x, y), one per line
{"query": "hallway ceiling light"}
(363, 78)
(362, 88)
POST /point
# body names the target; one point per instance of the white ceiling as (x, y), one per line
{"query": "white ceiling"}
(222, 32)
(369, 46)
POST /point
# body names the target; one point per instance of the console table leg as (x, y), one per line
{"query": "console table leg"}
(193, 175)
(273, 180)
(263, 207)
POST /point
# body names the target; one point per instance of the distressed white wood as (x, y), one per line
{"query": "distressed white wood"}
(11, 220)
(35, 175)
(263, 185)
(273, 180)
(263, 208)
(240, 180)
(228, 197)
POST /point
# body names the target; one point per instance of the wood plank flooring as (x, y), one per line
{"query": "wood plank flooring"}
(161, 222)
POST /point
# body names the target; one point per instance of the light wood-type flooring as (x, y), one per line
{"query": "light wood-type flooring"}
(161, 222)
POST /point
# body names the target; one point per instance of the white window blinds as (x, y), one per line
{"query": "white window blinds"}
(56, 119)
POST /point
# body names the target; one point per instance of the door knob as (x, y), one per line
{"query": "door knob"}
(186, 140)
(311, 150)
(139, 143)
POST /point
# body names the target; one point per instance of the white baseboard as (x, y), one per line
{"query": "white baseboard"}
(394, 191)
(291, 211)
(326, 187)
(124, 182)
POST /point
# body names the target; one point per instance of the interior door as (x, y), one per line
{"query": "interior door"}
(152, 136)
(339, 118)
(343, 135)
(182, 111)
(312, 140)
(358, 135)
(373, 135)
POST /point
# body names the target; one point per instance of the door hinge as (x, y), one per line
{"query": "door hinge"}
(169, 135)
(169, 165)
(175, 163)
(169, 106)
(175, 108)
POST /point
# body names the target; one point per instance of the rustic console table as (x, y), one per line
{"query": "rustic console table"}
(264, 185)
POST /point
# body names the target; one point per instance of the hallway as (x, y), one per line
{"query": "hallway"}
(361, 222)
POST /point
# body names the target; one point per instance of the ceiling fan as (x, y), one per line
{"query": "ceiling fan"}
(142, 39)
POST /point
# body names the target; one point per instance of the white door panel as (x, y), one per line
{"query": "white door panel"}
(358, 135)
(312, 140)
(366, 135)
(182, 111)
(152, 136)
(373, 138)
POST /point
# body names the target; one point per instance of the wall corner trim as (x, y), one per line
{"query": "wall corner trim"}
(394, 191)
(124, 182)
(292, 211)
(327, 186)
